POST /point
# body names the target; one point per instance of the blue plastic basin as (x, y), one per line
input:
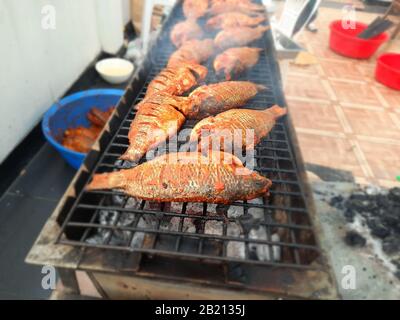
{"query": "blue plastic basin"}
(70, 112)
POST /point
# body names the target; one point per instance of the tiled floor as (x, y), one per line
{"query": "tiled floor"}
(344, 119)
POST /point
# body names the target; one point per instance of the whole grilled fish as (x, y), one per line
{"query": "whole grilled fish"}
(187, 177)
(192, 51)
(234, 20)
(234, 61)
(238, 37)
(215, 98)
(195, 8)
(177, 80)
(225, 6)
(236, 123)
(156, 120)
(184, 31)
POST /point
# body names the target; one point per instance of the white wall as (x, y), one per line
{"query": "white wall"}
(37, 66)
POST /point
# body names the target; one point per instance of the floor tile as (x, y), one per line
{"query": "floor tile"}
(295, 87)
(329, 152)
(47, 176)
(21, 219)
(341, 69)
(320, 116)
(383, 159)
(371, 123)
(354, 92)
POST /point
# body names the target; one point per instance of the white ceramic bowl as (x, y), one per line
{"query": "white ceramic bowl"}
(115, 70)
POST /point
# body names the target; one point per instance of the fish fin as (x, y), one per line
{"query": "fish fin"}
(263, 28)
(277, 111)
(261, 88)
(107, 181)
(131, 154)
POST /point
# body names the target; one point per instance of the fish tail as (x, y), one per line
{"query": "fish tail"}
(263, 28)
(107, 181)
(277, 111)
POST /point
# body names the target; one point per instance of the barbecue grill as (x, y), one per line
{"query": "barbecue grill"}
(263, 248)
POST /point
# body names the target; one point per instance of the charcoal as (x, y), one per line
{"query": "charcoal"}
(378, 229)
(358, 203)
(354, 239)
(391, 244)
(349, 215)
(337, 202)
(394, 195)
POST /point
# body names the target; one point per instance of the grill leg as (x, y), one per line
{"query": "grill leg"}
(68, 280)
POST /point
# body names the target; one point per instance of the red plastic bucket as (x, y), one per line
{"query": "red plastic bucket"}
(387, 70)
(344, 40)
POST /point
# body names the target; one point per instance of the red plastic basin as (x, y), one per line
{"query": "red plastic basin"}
(387, 70)
(344, 41)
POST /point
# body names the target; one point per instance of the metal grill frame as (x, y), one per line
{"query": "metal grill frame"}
(275, 145)
(278, 142)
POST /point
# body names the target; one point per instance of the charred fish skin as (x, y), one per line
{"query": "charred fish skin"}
(238, 37)
(234, 20)
(235, 121)
(177, 80)
(194, 9)
(215, 98)
(157, 120)
(234, 61)
(187, 177)
(184, 31)
(192, 51)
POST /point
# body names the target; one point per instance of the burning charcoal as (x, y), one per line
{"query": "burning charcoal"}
(118, 200)
(223, 210)
(391, 244)
(138, 237)
(174, 223)
(133, 203)
(377, 228)
(235, 249)
(354, 239)
(194, 209)
(176, 207)
(235, 212)
(247, 222)
(257, 213)
(263, 250)
(213, 227)
(394, 195)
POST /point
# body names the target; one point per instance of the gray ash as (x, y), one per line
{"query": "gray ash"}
(381, 212)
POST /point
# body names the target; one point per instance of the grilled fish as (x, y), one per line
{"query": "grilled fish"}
(177, 80)
(156, 120)
(192, 51)
(225, 6)
(238, 37)
(234, 20)
(184, 31)
(233, 126)
(234, 61)
(195, 8)
(215, 98)
(187, 177)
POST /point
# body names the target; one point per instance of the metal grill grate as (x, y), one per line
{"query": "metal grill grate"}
(287, 238)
